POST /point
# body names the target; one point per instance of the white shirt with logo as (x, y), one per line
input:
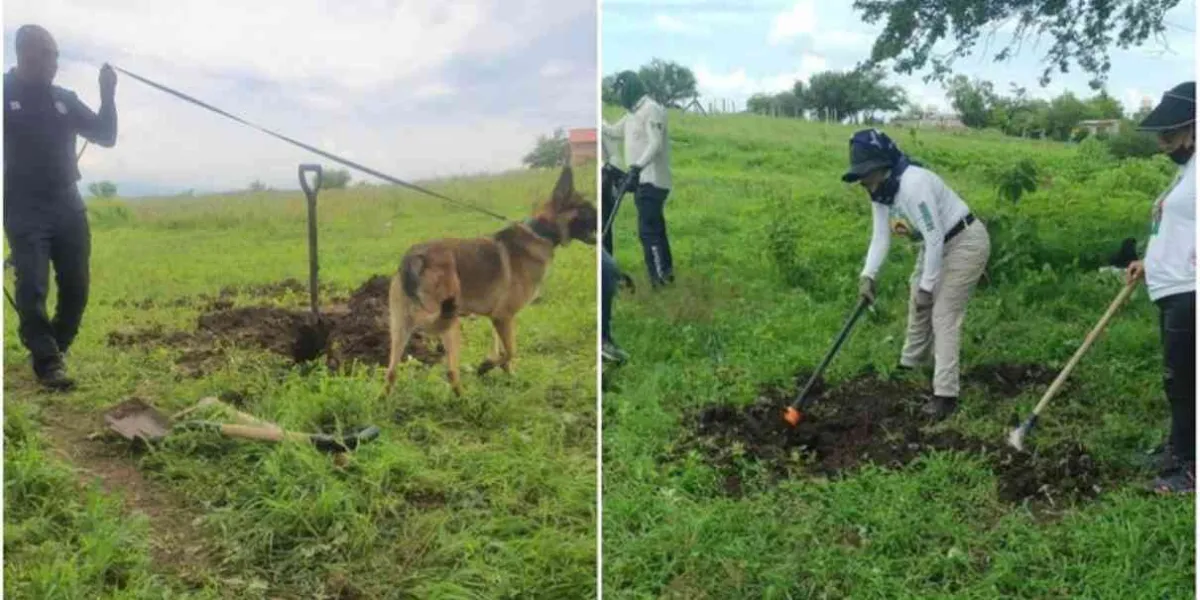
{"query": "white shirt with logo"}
(1170, 261)
(930, 208)
(646, 143)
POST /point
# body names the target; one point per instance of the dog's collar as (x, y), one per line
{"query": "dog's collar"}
(543, 229)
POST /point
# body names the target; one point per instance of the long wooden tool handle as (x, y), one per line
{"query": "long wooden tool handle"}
(267, 434)
(1087, 343)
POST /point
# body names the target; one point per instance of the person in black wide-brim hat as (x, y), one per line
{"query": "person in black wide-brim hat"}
(1169, 270)
(955, 247)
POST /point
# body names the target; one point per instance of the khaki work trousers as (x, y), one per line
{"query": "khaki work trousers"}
(939, 327)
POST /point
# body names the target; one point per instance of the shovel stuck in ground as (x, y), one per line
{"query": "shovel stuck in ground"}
(136, 420)
(795, 412)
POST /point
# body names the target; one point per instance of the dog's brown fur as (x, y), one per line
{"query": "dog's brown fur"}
(440, 281)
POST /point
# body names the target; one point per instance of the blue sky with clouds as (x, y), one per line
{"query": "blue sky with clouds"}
(737, 49)
(417, 90)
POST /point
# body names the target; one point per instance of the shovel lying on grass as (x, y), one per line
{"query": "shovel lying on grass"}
(1016, 437)
(134, 419)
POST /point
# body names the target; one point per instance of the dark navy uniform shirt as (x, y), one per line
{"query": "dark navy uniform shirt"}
(40, 127)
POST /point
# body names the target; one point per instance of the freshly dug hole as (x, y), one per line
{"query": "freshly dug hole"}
(866, 420)
(355, 330)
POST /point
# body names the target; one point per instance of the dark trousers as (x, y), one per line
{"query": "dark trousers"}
(608, 289)
(652, 229)
(56, 236)
(1177, 323)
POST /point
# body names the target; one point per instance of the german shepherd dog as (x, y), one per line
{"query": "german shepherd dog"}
(440, 281)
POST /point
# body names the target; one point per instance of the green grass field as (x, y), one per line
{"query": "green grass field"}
(487, 496)
(768, 244)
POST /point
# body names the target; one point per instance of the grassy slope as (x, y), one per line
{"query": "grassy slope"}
(491, 495)
(768, 245)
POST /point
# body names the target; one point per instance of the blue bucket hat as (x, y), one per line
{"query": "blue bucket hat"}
(871, 149)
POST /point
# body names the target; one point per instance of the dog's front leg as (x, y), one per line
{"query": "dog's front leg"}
(452, 341)
(507, 330)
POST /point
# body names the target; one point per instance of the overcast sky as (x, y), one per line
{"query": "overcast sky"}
(414, 89)
(738, 48)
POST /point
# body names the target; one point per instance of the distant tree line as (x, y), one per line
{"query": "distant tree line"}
(858, 96)
(669, 83)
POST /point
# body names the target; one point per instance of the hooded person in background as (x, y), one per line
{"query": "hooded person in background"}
(44, 216)
(1169, 270)
(954, 253)
(647, 155)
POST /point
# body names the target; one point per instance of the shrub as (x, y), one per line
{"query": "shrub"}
(1130, 143)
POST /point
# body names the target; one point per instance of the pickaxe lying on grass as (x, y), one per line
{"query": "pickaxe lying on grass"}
(134, 419)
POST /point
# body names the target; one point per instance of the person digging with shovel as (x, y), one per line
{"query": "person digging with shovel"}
(45, 219)
(954, 253)
(648, 156)
(1169, 270)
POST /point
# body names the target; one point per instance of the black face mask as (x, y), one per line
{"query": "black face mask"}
(1182, 154)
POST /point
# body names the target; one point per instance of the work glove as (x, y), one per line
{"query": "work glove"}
(924, 299)
(631, 178)
(866, 289)
(108, 82)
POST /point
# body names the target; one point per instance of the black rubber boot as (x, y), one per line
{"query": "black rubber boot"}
(940, 407)
(53, 376)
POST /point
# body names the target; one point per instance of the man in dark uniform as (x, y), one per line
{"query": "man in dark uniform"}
(44, 216)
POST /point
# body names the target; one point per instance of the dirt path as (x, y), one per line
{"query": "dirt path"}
(177, 546)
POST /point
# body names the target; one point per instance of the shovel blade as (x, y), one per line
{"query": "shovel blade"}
(133, 419)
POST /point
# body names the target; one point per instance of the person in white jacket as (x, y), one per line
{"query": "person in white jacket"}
(648, 158)
(1169, 270)
(953, 256)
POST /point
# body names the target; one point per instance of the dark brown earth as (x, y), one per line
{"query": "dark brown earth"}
(351, 331)
(869, 420)
(1011, 379)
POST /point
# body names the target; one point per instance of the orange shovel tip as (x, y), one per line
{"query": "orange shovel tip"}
(792, 416)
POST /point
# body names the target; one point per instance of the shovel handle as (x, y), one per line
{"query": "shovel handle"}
(863, 302)
(266, 434)
(1087, 343)
(304, 171)
(311, 195)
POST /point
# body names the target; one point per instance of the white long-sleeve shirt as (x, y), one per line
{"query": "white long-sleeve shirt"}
(646, 143)
(928, 206)
(1170, 261)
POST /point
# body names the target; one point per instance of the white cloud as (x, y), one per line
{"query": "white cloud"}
(800, 20)
(840, 39)
(434, 89)
(670, 24)
(368, 80)
(353, 45)
(736, 84)
(555, 68)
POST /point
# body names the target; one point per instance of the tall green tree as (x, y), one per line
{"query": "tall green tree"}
(1081, 32)
(669, 83)
(549, 151)
(608, 94)
(974, 101)
(102, 189)
(850, 95)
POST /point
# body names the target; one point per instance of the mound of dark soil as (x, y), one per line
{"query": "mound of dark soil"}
(1011, 379)
(355, 331)
(867, 420)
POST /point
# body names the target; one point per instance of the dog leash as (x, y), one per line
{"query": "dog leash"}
(333, 157)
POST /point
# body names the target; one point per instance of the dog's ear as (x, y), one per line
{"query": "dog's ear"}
(565, 187)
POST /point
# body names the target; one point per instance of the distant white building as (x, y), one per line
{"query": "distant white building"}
(1105, 126)
(932, 121)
